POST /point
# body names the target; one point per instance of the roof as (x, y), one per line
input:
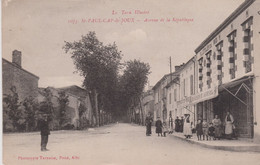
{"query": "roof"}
(75, 90)
(163, 78)
(185, 64)
(175, 74)
(175, 80)
(20, 68)
(226, 22)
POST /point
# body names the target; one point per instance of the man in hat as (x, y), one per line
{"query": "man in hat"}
(43, 125)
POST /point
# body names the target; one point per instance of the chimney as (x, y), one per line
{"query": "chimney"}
(17, 58)
(177, 67)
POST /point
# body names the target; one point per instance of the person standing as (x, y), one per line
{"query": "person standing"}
(43, 125)
(177, 124)
(211, 131)
(181, 124)
(187, 127)
(229, 120)
(217, 125)
(165, 129)
(158, 125)
(205, 129)
(148, 123)
(199, 130)
(170, 125)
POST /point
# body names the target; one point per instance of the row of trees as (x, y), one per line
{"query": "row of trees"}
(101, 65)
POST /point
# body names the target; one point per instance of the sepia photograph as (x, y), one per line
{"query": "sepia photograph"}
(141, 82)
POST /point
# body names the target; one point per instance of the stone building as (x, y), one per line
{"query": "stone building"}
(14, 76)
(83, 100)
(77, 98)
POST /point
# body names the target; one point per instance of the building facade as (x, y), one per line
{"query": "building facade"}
(187, 89)
(222, 77)
(228, 76)
(16, 78)
(160, 97)
(173, 96)
(148, 103)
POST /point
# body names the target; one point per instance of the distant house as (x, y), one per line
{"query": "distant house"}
(160, 97)
(147, 101)
(84, 100)
(14, 76)
(78, 110)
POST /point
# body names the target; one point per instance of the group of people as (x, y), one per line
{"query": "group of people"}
(161, 127)
(214, 129)
(204, 130)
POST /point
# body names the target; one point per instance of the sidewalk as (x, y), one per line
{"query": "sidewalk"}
(223, 144)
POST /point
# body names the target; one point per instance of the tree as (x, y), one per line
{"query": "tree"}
(133, 82)
(46, 106)
(13, 110)
(63, 100)
(31, 107)
(99, 65)
(83, 122)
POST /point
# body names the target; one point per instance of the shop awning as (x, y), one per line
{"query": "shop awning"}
(234, 83)
(214, 92)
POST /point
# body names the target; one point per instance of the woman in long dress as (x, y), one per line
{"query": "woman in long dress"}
(229, 125)
(148, 123)
(158, 125)
(187, 127)
(217, 125)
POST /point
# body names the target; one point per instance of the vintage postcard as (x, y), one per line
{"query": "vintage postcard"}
(141, 82)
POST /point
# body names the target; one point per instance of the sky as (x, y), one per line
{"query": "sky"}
(39, 28)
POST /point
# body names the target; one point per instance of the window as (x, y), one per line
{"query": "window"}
(184, 94)
(170, 98)
(191, 84)
(232, 54)
(248, 46)
(219, 61)
(200, 73)
(175, 95)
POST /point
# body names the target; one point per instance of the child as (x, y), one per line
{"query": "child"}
(205, 129)
(211, 131)
(164, 129)
(199, 129)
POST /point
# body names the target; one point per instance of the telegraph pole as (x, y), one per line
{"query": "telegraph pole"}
(171, 67)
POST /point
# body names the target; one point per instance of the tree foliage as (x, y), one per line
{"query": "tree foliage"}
(133, 81)
(31, 107)
(13, 110)
(99, 64)
(63, 100)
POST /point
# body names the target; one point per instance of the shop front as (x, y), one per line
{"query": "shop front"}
(235, 97)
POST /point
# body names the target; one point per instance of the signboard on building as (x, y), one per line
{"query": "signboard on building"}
(206, 95)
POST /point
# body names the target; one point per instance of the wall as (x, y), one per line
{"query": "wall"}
(26, 84)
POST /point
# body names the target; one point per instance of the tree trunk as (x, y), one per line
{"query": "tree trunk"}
(142, 113)
(96, 107)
